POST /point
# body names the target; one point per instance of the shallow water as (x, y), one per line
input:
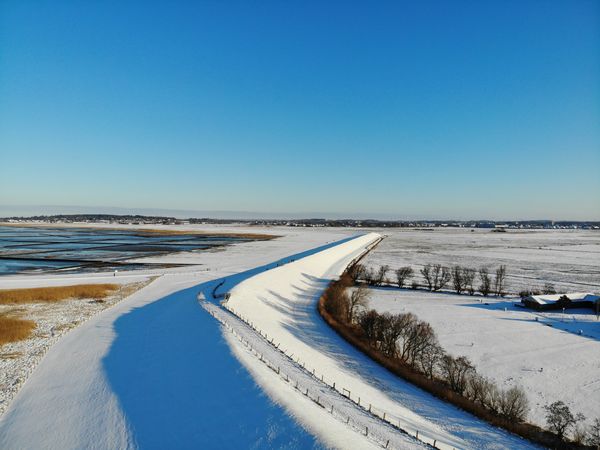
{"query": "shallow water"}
(48, 249)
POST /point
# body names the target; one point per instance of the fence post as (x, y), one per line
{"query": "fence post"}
(387, 443)
(417, 434)
(366, 431)
(384, 415)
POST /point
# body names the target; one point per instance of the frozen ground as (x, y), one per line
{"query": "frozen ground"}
(542, 352)
(154, 371)
(281, 304)
(570, 259)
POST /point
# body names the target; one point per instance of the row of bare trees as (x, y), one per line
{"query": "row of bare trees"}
(413, 342)
(437, 277)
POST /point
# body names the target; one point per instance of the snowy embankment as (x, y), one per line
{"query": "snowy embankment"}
(92, 390)
(281, 304)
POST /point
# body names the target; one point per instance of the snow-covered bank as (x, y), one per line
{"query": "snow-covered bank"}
(52, 320)
(282, 304)
(81, 395)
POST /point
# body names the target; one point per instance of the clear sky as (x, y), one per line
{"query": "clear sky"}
(449, 109)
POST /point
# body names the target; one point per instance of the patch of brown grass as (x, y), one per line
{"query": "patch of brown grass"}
(55, 293)
(13, 329)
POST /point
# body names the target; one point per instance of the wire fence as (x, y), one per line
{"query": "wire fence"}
(380, 426)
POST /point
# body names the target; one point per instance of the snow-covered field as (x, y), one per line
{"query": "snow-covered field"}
(157, 371)
(281, 304)
(542, 352)
(569, 259)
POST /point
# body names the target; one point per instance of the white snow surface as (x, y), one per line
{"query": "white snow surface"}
(542, 352)
(67, 402)
(568, 259)
(281, 303)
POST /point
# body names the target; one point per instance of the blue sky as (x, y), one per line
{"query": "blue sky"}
(461, 109)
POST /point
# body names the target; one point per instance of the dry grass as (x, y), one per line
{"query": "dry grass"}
(56, 293)
(14, 329)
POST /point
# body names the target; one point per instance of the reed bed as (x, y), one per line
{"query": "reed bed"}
(14, 329)
(55, 293)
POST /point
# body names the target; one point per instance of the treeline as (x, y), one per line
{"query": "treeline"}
(463, 280)
(409, 347)
(413, 342)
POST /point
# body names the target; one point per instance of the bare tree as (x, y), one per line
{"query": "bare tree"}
(394, 327)
(369, 323)
(380, 275)
(369, 275)
(426, 272)
(357, 272)
(514, 404)
(441, 277)
(456, 372)
(480, 389)
(486, 283)
(468, 276)
(500, 281)
(408, 325)
(418, 336)
(358, 299)
(458, 280)
(560, 419)
(337, 301)
(403, 274)
(430, 358)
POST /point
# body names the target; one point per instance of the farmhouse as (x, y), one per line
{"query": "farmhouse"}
(560, 301)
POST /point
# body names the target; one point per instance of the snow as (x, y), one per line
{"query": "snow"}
(569, 259)
(281, 304)
(52, 320)
(156, 370)
(539, 351)
(552, 298)
(90, 392)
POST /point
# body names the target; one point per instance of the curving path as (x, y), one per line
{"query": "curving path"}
(281, 303)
